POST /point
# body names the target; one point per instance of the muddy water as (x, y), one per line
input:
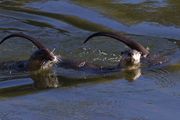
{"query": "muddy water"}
(63, 25)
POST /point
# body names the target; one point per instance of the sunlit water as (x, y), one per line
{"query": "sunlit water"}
(80, 95)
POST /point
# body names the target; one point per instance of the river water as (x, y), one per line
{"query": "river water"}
(63, 25)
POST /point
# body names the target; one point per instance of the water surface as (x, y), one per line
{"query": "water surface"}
(63, 25)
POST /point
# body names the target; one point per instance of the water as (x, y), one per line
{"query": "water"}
(64, 25)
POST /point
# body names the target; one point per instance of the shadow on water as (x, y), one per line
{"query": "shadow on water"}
(160, 11)
(73, 20)
(143, 18)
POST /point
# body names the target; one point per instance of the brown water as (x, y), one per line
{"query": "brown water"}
(64, 25)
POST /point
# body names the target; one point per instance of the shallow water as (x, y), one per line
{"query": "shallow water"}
(63, 26)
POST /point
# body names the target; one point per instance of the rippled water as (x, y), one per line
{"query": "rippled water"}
(63, 25)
